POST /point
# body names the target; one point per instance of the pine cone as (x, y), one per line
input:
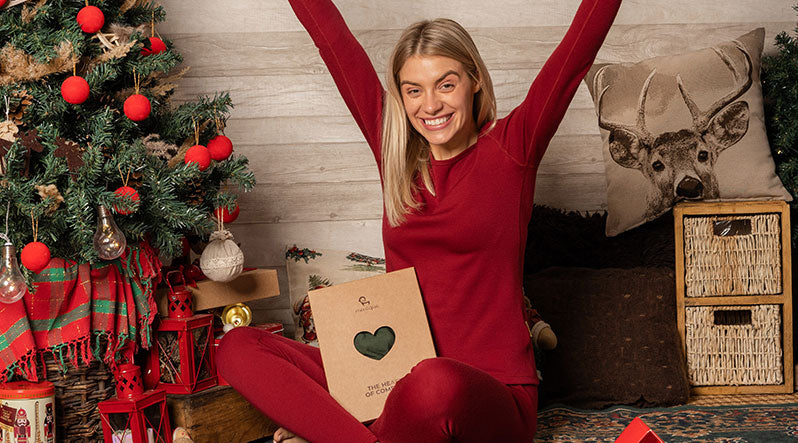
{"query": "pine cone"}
(108, 100)
(196, 192)
(18, 103)
(108, 152)
(135, 180)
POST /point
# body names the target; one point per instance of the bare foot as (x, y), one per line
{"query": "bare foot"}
(285, 435)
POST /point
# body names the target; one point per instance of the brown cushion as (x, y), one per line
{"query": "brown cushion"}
(559, 238)
(703, 140)
(617, 337)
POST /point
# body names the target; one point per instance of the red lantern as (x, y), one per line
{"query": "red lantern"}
(182, 356)
(179, 296)
(135, 415)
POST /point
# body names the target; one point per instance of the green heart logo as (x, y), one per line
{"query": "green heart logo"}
(375, 345)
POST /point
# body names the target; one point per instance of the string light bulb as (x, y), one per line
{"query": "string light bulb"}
(12, 283)
(109, 241)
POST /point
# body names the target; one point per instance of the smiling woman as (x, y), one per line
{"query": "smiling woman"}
(437, 74)
(438, 96)
(458, 188)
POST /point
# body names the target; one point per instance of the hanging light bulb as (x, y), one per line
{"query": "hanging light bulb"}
(12, 283)
(109, 241)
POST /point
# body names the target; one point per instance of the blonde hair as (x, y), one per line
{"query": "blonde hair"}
(404, 152)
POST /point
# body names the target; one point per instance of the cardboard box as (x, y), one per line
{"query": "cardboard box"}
(371, 333)
(250, 285)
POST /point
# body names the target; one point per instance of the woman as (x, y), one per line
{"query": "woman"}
(458, 188)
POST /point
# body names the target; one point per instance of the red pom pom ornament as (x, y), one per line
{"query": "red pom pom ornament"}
(227, 216)
(35, 256)
(91, 19)
(3, 3)
(198, 154)
(137, 107)
(156, 46)
(75, 90)
(129, 193)
(220, 147)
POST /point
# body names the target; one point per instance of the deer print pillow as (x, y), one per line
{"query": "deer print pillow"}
(683, 127)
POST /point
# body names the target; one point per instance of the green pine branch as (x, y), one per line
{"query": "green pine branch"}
(111, 146)
(780, 91)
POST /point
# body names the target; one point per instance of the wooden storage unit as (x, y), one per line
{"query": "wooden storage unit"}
(734, 296)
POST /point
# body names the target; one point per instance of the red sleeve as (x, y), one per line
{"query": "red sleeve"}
(530, 127)
(348, 63)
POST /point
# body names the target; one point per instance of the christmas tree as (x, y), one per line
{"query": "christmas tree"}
(87, 123)
(780, 90)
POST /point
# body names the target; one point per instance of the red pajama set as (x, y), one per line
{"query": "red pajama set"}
(467, 246)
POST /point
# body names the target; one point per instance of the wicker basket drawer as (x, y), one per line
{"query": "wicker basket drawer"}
(734, 345)
(732, 255)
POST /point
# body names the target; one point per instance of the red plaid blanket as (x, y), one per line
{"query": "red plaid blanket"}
(74, 306)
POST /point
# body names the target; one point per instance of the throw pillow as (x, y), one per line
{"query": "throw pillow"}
(683, 127)
(318, 268)
(617, 337)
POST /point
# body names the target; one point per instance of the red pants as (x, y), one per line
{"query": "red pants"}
(441, 400)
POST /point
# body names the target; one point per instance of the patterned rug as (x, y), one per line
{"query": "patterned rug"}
(695, 424)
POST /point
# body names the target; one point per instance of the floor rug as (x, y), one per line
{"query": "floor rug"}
(695, 424)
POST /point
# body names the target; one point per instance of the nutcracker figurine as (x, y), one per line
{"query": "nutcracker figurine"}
(22, 426)
(49, 423)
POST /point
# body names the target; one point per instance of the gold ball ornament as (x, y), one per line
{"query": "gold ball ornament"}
(237, 314)
(222, 260)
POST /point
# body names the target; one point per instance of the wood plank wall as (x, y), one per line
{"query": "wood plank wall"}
(317, 181)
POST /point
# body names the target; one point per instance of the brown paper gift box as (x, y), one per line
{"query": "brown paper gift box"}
(250, 285)
(371, 333)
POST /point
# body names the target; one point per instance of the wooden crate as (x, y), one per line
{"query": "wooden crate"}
(779, 294)
(218, 414)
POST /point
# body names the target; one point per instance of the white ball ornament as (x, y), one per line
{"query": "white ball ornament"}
(222, 260)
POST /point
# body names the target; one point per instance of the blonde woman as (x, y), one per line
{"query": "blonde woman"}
(458, 188)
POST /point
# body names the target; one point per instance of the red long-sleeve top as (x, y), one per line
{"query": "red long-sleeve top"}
(467, 241)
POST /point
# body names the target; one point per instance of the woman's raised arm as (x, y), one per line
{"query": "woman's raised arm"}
(348, 63)
(536, 119)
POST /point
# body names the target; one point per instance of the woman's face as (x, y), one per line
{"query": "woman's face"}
(438, 96)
